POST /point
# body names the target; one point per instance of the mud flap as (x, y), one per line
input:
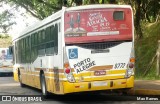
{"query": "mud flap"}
(56, 79)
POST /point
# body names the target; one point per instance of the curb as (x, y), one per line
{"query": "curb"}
(144, 92)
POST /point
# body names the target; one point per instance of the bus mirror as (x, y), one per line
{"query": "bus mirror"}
(10, 49)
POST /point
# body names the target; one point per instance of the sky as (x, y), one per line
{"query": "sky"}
(22, 19)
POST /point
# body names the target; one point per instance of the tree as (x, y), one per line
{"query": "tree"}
(138, 19)
(5, 21)
(38, 8)
(147, 10)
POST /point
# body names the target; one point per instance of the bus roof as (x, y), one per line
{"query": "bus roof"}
(96, 6)
(58, 14)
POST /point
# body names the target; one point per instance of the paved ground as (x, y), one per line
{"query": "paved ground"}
(9, 87)
(146, 87)
(147, 84)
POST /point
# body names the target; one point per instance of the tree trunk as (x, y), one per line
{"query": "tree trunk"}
(112, 1)
(102, 1)
(78, 2)
(138, 19)
(92, 1)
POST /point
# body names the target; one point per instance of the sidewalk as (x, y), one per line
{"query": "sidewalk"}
(146, 87)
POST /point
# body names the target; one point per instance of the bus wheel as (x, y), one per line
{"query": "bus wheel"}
(20, 80)
(43, 85)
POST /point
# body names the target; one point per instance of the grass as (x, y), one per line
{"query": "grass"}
(145, 49)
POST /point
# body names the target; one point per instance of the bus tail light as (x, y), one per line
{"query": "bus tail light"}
(131, 65)
(130, 68)
(68, 73)
(132, 60)
(67, 70)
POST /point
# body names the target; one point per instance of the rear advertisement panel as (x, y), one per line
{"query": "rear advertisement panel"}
(98, 24)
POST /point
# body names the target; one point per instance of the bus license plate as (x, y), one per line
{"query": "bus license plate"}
(99, 83)
(100, 72)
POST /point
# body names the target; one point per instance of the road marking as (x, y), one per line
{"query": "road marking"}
(10, 84)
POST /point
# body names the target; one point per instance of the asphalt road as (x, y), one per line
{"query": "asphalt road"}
(9, 87)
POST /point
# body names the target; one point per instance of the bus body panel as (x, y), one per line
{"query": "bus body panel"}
(99, 64)
(99, 85)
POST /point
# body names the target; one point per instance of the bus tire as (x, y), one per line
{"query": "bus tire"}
(43, 86)
(20, 79)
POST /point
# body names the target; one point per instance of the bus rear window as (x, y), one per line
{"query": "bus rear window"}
(118, 15)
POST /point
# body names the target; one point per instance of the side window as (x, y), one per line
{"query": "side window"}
(52, 32)
(14, 54)
(41, 46)
(23, 51)
(36, 39)
(50, 48)
(17, 52)
(50, 44)
(59, 27)
(41, 50)
(26, 49)
(32, 47)
(29, 49)
(39, 38)
(32, 40)
(20, 55)
(43, 36)
(56, 38)
(48, 33)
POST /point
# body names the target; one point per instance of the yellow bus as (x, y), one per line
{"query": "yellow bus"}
(78, 49)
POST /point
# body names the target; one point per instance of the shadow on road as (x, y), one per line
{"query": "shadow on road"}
(6, 74)
(88, 97)
(91, 97)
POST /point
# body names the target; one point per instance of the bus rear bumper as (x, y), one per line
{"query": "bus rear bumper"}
(98, 85)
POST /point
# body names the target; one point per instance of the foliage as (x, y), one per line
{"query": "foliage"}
(39, 8)
(145, 50)
(43, 8)
(147, 10)
(5, 41)
(5, 20)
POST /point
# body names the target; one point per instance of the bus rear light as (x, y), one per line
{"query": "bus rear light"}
(67, 71)
(66, 65)
(132, 60)
(77, 86)
(123, 82)
(129, 73)
(130, 68)
(70, 77)
(131, 65)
